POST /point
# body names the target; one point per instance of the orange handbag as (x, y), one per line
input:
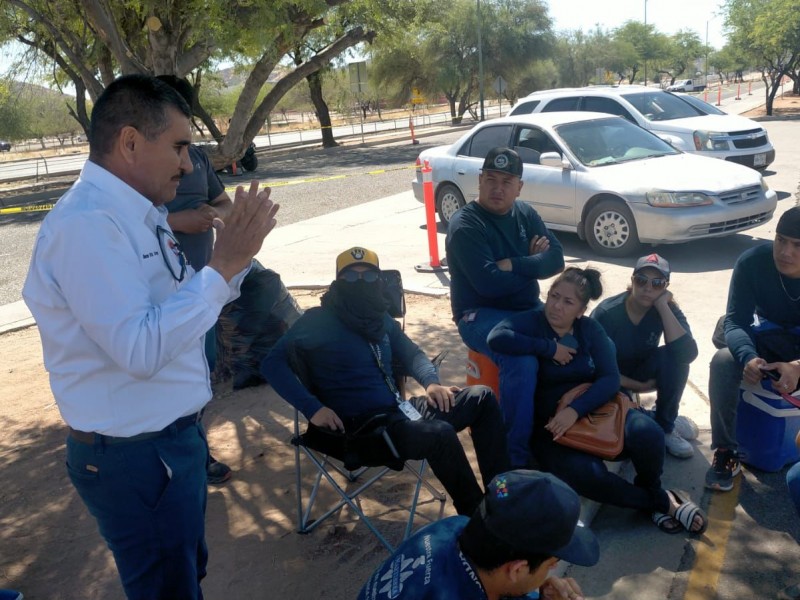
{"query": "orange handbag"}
(602, 431)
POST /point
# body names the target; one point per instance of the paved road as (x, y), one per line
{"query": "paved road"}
(306, 186)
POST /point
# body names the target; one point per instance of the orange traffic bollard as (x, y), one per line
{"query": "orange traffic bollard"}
(430, 223)
(750, 88)
(719, 94)
(430, 213)
(705, 94)
(414, 140)
(739, 91)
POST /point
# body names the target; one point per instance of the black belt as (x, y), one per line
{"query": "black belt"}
(90, 437)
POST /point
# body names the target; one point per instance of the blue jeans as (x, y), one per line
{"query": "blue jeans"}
(588, 475)
(149, 500)
(671, 378)
(517, 382)
(793, 481)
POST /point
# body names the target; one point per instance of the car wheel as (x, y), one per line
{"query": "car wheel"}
(610, 229)
(448, 200)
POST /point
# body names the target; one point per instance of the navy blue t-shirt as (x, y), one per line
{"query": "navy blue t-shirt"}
(201, 186)
(636, 343)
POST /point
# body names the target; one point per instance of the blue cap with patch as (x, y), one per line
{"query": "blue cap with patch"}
(537, 513)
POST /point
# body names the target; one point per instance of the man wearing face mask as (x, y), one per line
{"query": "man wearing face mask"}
(348, 346)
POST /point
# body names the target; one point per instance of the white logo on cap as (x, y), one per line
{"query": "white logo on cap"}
(357, 253)
(501, 161)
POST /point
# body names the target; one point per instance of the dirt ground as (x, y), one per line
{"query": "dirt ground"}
(49, 545)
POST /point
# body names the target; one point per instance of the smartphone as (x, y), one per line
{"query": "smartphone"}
(569, 341)
(771, 373)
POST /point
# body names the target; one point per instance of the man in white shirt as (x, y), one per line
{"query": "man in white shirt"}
(122, 320)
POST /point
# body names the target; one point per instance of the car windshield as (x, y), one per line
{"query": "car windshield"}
(611, 141)
(661, 106)
(701, 105)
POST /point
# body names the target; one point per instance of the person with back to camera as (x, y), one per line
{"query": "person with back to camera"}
(348, 347)
(635, 320)
(573, 349)
(525, 523)
(498, 249)
(122, 320)
(761, 333)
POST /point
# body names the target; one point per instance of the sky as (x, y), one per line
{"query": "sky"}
(667, 16)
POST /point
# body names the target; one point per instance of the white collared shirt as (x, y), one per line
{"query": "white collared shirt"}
(122, 338)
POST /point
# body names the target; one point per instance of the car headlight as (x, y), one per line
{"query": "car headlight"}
(710, 141)
(764, 185)
(677, 199)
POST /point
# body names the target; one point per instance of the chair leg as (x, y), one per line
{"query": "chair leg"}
(419, 474)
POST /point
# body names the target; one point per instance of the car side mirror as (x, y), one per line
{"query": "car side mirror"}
(554, 159)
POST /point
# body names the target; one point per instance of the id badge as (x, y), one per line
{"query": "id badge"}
(408, 410)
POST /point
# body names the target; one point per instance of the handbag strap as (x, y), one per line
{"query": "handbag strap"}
(376, 352)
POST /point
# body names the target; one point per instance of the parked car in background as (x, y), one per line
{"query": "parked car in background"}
(686, 85)
(5, 146)
(616, 185)
(729, 137)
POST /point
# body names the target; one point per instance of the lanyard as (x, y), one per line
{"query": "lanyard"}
(376, 352)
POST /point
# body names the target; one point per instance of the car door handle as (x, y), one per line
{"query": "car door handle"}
(461, 172)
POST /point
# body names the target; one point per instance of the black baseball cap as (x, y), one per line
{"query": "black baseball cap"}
(504, 160)
(537, 513)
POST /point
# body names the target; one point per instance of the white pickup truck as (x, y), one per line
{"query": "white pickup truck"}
(686, 85)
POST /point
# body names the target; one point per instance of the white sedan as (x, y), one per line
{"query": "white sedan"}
(613, 183)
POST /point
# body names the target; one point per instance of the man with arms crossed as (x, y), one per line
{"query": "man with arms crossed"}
(122, 320)
(498, 249)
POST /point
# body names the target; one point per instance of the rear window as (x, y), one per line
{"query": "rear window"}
(562, 104)
(478, 145)
(525, 108)
(606, 105)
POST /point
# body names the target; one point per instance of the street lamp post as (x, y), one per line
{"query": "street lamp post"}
(645, 45)
(480, 59)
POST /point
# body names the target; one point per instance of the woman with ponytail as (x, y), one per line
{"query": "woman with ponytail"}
(574, 349)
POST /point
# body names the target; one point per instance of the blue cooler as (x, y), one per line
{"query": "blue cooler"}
(766, 427)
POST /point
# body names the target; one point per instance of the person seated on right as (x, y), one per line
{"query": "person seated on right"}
(764, 288)
(347, 346)
(498, 249)
(635, 320)
(573, 349)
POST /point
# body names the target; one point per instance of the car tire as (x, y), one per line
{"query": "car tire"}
(610, 229)
(448, 200)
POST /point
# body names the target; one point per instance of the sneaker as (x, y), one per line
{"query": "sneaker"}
(10, 595)
(677, 446)
(723, 469)
(686, 428)
(218, 472)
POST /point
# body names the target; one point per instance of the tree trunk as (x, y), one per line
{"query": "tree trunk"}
(321, 108)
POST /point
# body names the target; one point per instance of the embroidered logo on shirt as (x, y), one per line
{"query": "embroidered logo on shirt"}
(501, 487)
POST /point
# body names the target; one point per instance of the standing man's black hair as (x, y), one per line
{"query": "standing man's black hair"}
(139, 101)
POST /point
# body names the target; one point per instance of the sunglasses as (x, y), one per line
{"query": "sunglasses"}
(657, 283)
(351, 276)
(172, 254)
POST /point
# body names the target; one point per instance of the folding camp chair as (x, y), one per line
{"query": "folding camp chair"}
(364, 456)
